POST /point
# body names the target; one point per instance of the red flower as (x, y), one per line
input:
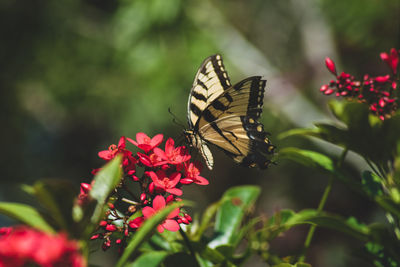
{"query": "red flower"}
(151, 160)
(24, 246)
(113, 150)
(392, 60)
(172, 155)
(169, 223)
(146, 143)
(161, 180)
(192, 174)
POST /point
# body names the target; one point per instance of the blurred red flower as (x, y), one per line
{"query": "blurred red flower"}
(22, 245)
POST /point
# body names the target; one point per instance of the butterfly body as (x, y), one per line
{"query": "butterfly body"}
(227, 115)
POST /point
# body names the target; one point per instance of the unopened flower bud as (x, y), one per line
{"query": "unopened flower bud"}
(142, 197)
(103, 223)
(169, 199)
(111, 227)
(330, 65)
(96, 236)
(187, 216)
(151, 188)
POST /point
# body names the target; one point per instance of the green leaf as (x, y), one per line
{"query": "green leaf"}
(371, 184)
(104, 183)
(308, 158)
(286, 219)
(149, 259)
(25, 214)
(314, 159)
(208, 214)
(146, 230)
(236, 202)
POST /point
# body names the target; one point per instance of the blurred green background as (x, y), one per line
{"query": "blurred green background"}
(78, 74)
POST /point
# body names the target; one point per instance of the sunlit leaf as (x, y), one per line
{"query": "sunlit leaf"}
(308, 158)
(236, 202)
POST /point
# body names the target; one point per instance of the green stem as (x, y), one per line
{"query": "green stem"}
(187, 241)
(321, 206)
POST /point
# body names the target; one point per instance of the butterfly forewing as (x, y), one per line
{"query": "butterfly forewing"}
(210, 82)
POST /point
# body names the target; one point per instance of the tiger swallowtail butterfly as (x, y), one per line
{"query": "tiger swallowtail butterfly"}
(226, 116)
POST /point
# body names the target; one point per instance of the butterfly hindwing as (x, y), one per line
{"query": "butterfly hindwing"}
(233, 125)
(210, 82)
(227, 116)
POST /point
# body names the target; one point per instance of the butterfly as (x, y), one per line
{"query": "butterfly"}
(226, 116)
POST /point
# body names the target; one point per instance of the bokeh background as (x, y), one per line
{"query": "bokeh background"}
(78, 74)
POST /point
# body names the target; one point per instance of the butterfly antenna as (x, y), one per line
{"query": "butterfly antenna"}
(175, 119)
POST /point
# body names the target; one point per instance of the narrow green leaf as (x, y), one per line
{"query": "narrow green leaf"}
(308, 158)
(104, 182)
(208, 214)
(57, 197)
(25, 214)
(236, 202)
(149, 259)
(146, 230)
(299, 131)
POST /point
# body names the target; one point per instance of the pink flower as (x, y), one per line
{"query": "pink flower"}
(146, 143)
(172, 155)
(161, 180)
(169, 223)
(24, 246)
(192, 174)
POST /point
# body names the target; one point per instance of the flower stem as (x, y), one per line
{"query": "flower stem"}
(321, 206)
(187, 241)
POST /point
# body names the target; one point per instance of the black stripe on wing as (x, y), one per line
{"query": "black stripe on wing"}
(256, 96)
(219, 69)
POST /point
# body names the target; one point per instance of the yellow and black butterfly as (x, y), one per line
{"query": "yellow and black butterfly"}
(227, 115)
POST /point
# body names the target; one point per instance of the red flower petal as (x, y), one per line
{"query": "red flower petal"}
(158, 203)
(201, 181)
(148, 212)
(156, 140)
(142, 138)
(174, 191)
(171, 225)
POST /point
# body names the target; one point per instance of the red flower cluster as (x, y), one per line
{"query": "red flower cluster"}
(378, 92)
(23, 246)
(158, 175)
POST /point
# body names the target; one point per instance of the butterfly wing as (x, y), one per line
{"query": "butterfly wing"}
(210, 82)
(230, 122)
